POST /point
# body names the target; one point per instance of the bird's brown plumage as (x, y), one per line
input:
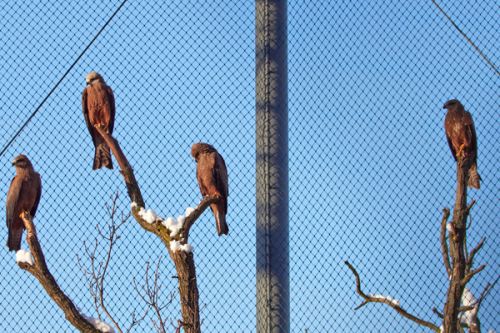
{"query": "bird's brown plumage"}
(98, 104)
(211, 174)
(461, 136)
(23, 196)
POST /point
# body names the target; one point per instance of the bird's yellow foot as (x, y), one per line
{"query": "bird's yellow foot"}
(25, 215)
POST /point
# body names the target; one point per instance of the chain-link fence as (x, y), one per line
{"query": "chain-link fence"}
(370, 168)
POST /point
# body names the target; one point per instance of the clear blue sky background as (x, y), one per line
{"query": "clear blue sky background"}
(370, 169)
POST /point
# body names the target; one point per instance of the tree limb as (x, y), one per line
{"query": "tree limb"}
(457, 241)
(133, 189)
(444, 245)
(393, 304)
(473, 252)
(41, 272)
(183, 260)
(471, 273)
(151, 295)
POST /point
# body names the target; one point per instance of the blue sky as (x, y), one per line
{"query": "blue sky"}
(370, 169)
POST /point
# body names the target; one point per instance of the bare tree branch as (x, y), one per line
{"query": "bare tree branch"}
(151, 295)
(133, 189)
(393, 304)
(112, 238)
(136, 320)
(471, 273)
(98, 271)
(41, 272)
(457, 247)
(444, 244)
(473, 252)
(183, 260)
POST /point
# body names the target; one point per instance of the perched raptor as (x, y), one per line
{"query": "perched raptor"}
(211, 174)
(461, 135)
(98, 104)
(23, 196)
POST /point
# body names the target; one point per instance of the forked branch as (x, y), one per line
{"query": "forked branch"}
(388, 301)
(175, 242)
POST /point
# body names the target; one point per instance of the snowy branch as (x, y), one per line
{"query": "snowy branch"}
(387, 300)
(38, 268)
(175, 241)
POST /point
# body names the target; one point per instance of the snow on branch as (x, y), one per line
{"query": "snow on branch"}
(395, 304)
(23, 256)
(174, 233)
(37, 266)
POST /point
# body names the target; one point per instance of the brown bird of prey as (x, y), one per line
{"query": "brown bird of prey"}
(98, 104)
(211, 174)
(461, 135)
(23, 196)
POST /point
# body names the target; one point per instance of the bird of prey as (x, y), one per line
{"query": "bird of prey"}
(98, 104)
(23, 196)
(461, 135)
(211, 174)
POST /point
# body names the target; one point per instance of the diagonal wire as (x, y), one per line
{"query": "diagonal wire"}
(485, 58)
(61, 79)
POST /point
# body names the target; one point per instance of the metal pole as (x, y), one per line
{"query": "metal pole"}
(273, 290)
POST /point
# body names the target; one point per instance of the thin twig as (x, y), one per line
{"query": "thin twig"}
(486, 291)
(471, 273)
(473, 252)
(96, 275)
(151, 295)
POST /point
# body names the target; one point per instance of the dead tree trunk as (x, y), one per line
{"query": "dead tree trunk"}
(459, 312)
(457, 250)
(183, 260)
(186, 274)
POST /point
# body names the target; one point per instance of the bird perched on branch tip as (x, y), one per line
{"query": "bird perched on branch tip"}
(461, 136)
(23, 196)
(98, 104)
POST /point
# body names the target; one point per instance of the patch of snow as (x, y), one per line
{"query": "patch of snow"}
(393, 301)
(148, 215)
(177, 246)
(189, 210)
(100, 325)
(173, 225)
(24, 256)
(468, 299)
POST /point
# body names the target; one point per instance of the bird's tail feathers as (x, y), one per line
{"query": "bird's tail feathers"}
(220, 220)
(102, 157)
(14, 240)
(474, 178)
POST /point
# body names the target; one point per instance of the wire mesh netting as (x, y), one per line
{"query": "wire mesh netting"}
(370, 168)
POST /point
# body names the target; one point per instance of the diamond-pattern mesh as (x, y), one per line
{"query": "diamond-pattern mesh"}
(370, 169)
(181, 73)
